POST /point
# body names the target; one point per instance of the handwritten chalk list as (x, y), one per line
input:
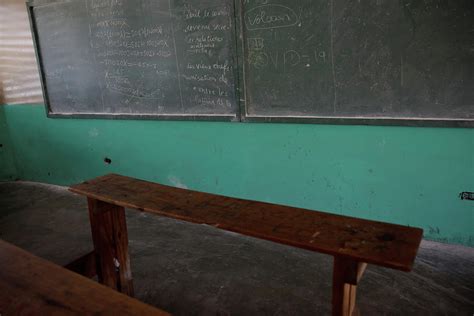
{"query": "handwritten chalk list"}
(138, 58)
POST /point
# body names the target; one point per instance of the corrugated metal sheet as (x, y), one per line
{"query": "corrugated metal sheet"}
(19, 77)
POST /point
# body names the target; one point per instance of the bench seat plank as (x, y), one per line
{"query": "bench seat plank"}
(383, 244)
(33, 286)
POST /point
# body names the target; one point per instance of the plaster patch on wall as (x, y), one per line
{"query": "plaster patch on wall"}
(175, 181)
(382, 144)
(93, 132)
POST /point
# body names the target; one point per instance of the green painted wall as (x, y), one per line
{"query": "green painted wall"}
(411, 176)
(8, 170)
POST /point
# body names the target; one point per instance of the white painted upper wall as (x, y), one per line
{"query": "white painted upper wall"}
(19, 76)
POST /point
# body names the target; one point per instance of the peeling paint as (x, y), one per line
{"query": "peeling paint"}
(93, 132)
(175, 181)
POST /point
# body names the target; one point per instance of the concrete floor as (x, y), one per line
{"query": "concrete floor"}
(190, 269)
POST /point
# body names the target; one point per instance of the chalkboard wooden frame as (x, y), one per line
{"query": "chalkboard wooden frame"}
(408, 122)
(235, 117)
(29, 9)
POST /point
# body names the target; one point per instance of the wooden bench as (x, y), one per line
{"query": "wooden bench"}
(33, 286)
(353, 242)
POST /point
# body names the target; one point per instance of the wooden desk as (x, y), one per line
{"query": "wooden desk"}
(33, 286)
(353, 242)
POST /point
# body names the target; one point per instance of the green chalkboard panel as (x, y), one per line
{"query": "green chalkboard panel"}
(137, 58)
(359, 61)
(405, 62)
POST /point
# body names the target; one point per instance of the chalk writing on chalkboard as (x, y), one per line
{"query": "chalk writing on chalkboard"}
(270, 16)
(340, 61)
(331, 60)
(162, 58)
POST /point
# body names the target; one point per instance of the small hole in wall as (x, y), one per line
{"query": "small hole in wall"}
(107, 160)
(1, 145)
(49, 174)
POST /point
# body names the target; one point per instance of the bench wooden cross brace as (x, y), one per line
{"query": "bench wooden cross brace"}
(353, 242)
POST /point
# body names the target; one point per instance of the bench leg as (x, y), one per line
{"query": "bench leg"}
(346, 275)
(110, 237)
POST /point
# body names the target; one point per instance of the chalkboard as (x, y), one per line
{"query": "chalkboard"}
(405, 62)
(359, 61)
(170, 59)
